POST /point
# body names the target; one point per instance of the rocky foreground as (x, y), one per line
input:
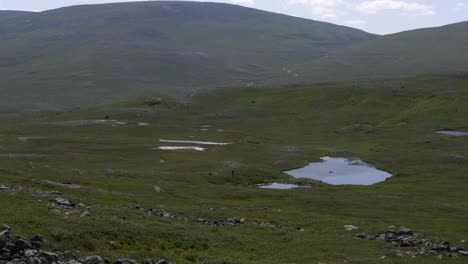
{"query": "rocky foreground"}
(410, 244)
(15, 249)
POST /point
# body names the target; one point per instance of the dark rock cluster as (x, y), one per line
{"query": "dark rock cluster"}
(233, 221)
(151, 211)
(18, 250)
(65, 206)
(223, 222)
(406, 239)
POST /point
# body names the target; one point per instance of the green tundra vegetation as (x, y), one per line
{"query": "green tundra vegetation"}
(107, 158)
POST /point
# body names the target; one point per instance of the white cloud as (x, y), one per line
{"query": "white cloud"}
(461, 6)
(325, 9)
(407, 7)
(244, 2)
(356, 22)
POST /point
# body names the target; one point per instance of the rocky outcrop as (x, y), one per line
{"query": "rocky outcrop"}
(411, 245)
(232, 221)
(18, 250)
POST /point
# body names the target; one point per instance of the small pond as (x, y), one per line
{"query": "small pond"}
(341, 171)
(453, 133)
(279, 186)
(181, 148)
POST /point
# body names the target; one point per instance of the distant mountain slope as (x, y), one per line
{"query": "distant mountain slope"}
(88, 55)
(7, 14)
(431, 50)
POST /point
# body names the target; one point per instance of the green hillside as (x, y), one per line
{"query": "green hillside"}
(88, 55)
(432, 50)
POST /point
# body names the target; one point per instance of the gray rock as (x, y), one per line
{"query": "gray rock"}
(21, 244)
(405, 232)
(49, 256)
(463, 253)
(28, 253)
(162, 261)
(93, 260)
(43, 260)
(153, 101)
(5, 256)
(73, 261)
(361, 236)
(34, 261)
(125, 261)
(38, 238)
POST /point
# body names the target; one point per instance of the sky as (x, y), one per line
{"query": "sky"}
(375, 16)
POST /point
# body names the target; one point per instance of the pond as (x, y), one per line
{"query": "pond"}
(341, 171)
(453, 133)
(181, 148)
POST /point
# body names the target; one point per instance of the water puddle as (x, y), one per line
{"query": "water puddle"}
(181, 148)
(25, 139)
(22, 155)
(341, 171)
(194, 142)
(90, 122)
(279, 186)
(453, 133)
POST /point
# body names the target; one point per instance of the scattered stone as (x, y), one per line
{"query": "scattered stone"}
(224, 222)
(153, 101)
(151, 211)
(80, 171)
(405, 238)
(157, 188)
(93, 260)
(85, 213)
(405, 232)
(125, 261)
(65, 206)
(213, 223)
(350, 227)
(361, 236)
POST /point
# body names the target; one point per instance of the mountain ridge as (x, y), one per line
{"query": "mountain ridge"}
(90, 55)
(86, 55)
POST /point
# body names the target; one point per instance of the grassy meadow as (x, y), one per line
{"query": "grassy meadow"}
(390, 124)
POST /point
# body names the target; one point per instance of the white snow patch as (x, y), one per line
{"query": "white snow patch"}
(181, 148)
(194, 142)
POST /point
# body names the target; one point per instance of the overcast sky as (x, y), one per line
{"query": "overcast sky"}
(376, 16)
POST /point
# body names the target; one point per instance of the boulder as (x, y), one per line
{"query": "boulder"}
(21, 244)
(93, 260)
(153, 101)
(125, 261)
(49, 256)
(405, 232)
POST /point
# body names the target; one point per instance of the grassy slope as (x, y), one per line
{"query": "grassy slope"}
(272, 130)
(431, 50)
(88, 55)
